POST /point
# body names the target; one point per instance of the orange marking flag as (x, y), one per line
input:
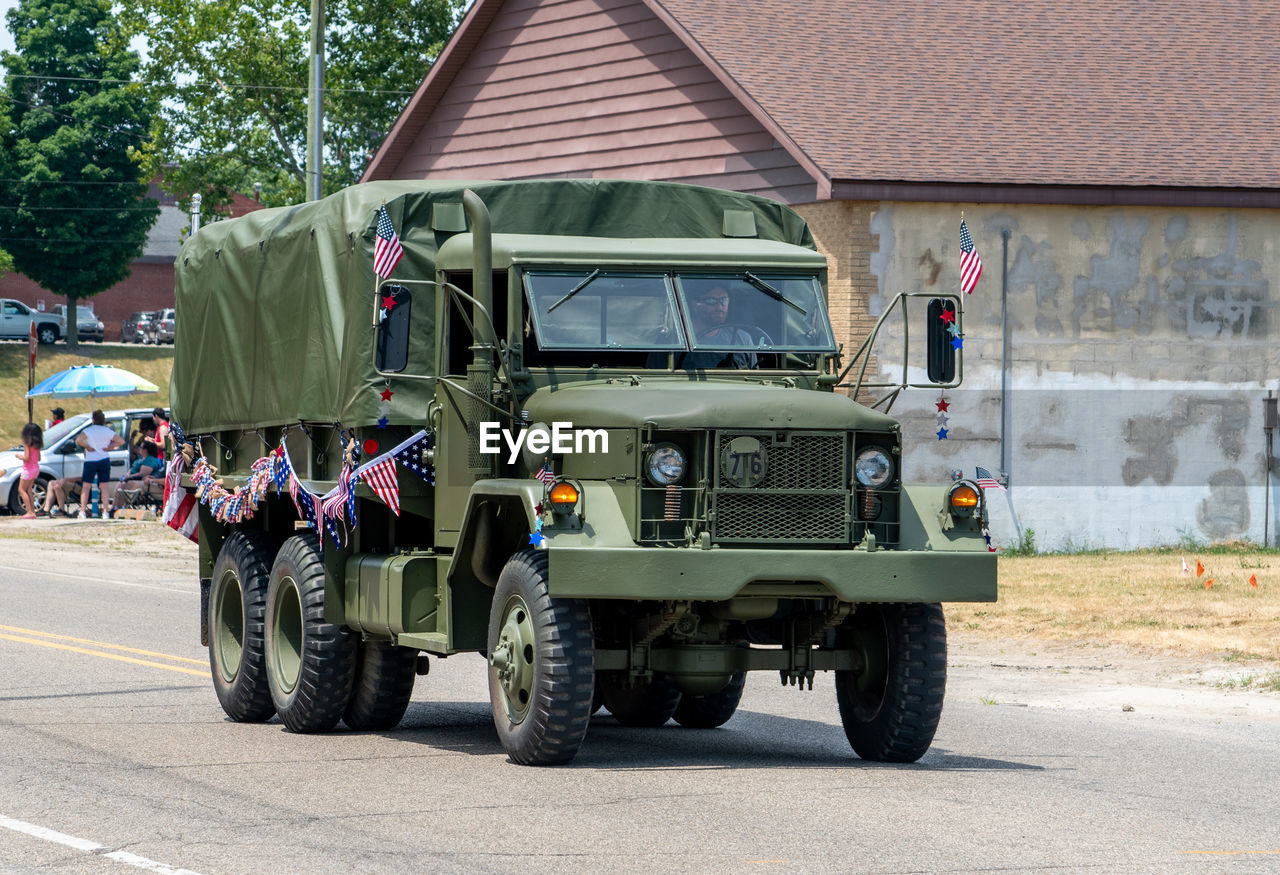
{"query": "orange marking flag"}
(1199, 568)
(1208, 584)
(1253, 581)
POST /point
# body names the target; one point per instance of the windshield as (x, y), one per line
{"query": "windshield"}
(598, 310)
(55, 433)
(755, 311)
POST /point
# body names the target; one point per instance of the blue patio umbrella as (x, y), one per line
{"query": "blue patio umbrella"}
(93, 381)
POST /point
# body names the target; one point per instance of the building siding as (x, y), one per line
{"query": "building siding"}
(596, 88)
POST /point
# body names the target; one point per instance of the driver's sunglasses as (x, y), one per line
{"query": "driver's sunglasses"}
(718, 301)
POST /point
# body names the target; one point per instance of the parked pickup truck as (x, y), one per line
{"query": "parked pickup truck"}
(16, 318)
(88, 325)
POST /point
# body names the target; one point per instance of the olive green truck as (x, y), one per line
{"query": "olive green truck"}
(614, 458)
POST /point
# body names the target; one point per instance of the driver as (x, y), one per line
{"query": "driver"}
(709, 310)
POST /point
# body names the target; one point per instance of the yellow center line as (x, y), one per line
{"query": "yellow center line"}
(39, 634)
(1232, 853)
(105, 655)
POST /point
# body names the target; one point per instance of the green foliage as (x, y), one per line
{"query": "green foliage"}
(1026, 546)
(6, 263)
(235, 111)
(73, 212)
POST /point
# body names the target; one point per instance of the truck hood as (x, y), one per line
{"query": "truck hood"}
(685, 404)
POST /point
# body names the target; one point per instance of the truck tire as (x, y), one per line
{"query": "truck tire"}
(310, 663)
(383, 686)
(47, 334)
(237, 608)
(38, 490)
(890, 710)
(713, 709)
(643, 705)
(541, 665)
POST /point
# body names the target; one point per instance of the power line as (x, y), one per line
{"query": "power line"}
(224, 85)
(67, 182)
(74, 209)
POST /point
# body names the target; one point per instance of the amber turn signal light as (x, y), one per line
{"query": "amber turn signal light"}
(563, 496)
(964, 497)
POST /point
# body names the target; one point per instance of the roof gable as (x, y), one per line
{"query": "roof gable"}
(602, 88)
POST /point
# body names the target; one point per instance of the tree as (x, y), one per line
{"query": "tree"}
(73, 130)
(235, 76)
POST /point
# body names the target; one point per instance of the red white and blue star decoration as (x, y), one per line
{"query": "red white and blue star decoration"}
(943, 406)
(384, 409)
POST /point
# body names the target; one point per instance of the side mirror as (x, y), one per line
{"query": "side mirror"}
(393, 331)
(942, 355)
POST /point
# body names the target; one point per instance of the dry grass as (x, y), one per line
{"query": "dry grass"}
(1141, 599)
(153, 363)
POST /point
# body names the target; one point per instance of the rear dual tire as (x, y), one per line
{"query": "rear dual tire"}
(311, 664)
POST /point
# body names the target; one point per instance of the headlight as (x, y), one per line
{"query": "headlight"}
(963, 499)
(873, 467)
(666, 465)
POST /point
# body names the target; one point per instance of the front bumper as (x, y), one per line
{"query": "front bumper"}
(722, 573)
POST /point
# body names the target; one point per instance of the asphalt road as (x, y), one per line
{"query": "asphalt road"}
(117, 758)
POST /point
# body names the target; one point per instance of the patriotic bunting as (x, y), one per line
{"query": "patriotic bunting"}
(335, 510)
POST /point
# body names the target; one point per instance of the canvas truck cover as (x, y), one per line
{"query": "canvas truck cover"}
(276, 308)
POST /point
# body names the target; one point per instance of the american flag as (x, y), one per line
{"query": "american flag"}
(545, 474)
(387, 250)
(970, 263)
(412, 455)
(333, 507)
(179, 505)
(381, 477)
(986, 481)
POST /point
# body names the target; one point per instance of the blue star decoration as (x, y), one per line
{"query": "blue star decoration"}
(986, 536)
(382, 422)
(942, 434)
(957, 342)
(536, 539)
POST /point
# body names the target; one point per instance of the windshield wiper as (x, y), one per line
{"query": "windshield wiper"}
(770, 291)
(579, 287)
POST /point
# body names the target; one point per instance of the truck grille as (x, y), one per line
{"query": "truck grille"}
(798, 494)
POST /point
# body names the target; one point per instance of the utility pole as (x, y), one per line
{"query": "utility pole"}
(315, 109)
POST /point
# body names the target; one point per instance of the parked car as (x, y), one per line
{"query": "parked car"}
(135, 328)
(164, 323)
(62, 457)
(16, 318)
(88, 325)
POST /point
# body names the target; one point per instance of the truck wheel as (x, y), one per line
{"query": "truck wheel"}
(541, 665)
(310, 663)
(38, 490)
(46, 334)
(237, 606)
(383, 686)
(646, 705)
(714, 709)
(891, 709)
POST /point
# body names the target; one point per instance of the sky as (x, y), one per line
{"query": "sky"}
(6, 41)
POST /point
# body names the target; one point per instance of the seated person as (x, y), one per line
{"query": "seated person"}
(709, 312)
(146, 470)
(146, 431)
(57, 495)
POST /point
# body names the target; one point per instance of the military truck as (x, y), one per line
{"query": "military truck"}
(642, 475)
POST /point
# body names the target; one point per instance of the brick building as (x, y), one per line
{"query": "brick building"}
(1117, 166)
(149, 285)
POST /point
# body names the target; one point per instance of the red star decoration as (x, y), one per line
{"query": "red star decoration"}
(386, 394)
(943, 405)
(388, 301)
(948, 316)
(538, 509)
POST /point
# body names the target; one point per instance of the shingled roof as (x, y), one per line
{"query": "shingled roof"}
(878, 96)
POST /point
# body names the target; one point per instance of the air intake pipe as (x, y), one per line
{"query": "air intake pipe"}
(480, 372)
